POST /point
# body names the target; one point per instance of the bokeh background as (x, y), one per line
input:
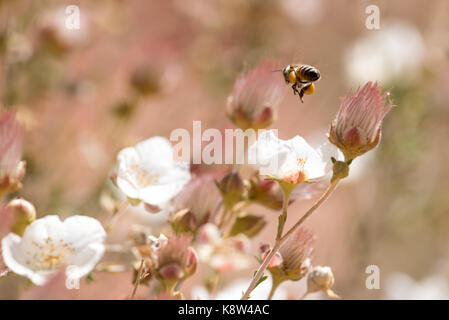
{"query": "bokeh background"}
(136, 69)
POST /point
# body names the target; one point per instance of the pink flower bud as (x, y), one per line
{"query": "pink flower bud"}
(357, 127)
(184, 221)
(200, 196)
(174, 259)
(232, 189)
(171, 271)
(293, 259)
(266, 192)
(256, 97)
(276, 261)
(321, 279)
(23, 213)
(12, 169)
(192, 262)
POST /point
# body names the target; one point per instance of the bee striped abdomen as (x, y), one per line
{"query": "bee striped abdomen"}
(306, 73)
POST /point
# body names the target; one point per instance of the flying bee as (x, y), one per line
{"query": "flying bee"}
(301, 77)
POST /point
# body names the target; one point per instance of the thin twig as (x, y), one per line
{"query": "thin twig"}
(274, 286)
(120, 210)
(280, 241)
(273, 251)
(261, 270)
(136, 284)
(309, 212)
(216, 210)
(223, 217)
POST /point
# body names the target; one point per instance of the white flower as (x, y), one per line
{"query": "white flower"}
(304, 12)
(396, 51)
(49, 244)
(292, 161)
(403, 287)
(148, 172)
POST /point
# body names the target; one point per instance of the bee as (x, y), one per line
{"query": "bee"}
(302, 77)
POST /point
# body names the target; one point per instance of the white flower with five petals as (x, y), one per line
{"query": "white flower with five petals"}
(293, 161)
(149, 173)
(49, 244)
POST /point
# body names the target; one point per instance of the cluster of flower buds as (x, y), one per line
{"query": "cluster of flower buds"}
(358, 124)
(172, 259)
(292, 262)
(255, 98)
(12, 169)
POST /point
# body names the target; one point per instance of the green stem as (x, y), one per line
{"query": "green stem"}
(312, 209)
(274, 286)
(136, 284)
(283, 217)
(116, 215)
(281, 239)
(287, 188)
(226, 210)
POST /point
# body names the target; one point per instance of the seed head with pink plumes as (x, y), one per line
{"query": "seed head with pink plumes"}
(357, 127)
(256, 97)
(293, 259)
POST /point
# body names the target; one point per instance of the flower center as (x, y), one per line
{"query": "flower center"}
(143, 177)
(298, 176)
(52, 254)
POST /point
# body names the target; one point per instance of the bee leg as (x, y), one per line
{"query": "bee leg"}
(301, 94)
(295, 90)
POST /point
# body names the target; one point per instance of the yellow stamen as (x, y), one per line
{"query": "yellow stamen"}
(51, 255)
(302, 163)
(143, 178)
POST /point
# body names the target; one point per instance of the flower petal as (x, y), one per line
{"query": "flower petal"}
(155, 151)
(86, 236)
(15, 259)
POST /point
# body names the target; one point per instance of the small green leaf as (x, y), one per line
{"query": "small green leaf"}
(90, 278)
(248, 224)
(262, 279)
